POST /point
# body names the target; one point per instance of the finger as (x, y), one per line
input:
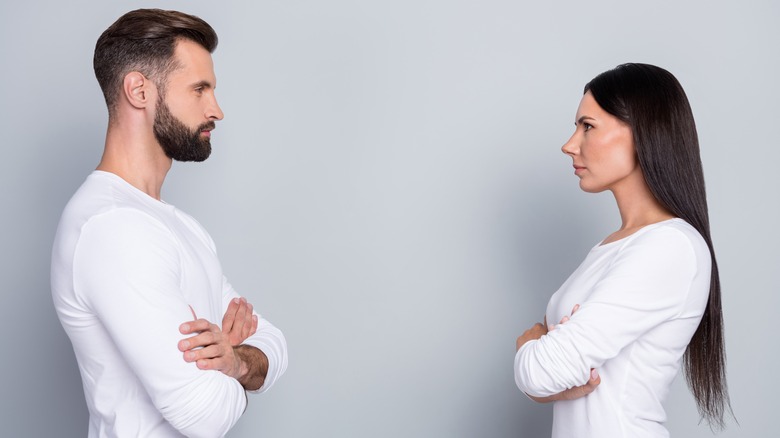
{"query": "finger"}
(198, 325)
(241, 315)
(255, 321)
(241, 324)
(251, 320)
(211, 335)
(230, 314)
(213, 351)
(250, 309)
(564, 319)
(595, 378)
(200, 340)
(246, 329)
(575, 308)
(224, 363)
(219, 364)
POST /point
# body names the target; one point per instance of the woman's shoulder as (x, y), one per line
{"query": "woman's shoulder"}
(672, 236)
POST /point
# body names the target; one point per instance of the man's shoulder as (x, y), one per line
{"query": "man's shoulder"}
(104, 199)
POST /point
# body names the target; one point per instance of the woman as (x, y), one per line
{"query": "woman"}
(646, 298)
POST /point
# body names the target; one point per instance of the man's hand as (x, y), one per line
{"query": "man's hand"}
(218, 349)
(210, 348)
(239, 322)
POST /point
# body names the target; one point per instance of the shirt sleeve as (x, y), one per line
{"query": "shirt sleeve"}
(648, 283)
(127, 269)
(267, 339)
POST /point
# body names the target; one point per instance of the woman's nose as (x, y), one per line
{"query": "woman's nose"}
(572, 146)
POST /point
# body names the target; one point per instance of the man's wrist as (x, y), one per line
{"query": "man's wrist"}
(253, 366)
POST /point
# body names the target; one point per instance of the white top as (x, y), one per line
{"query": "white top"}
(125, 269)
(641, 299)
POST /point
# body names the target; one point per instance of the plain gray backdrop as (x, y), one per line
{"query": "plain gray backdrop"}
(387, 187)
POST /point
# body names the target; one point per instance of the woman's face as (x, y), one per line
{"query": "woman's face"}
(602, 149)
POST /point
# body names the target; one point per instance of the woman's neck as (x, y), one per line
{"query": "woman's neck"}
(638, 208)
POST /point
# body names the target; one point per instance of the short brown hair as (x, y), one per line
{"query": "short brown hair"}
(144, 40)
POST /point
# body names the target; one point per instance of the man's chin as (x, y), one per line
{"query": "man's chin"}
(203, 152)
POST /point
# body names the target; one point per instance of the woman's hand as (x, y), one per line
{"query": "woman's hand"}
(539, 330)
(535, 332)
(573, 393)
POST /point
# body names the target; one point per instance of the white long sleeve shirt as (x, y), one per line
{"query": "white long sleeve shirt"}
(125, 270)
(641, 299)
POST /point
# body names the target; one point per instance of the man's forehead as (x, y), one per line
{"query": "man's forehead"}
(194, 63)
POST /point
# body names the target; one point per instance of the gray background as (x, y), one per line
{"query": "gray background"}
(387, 187)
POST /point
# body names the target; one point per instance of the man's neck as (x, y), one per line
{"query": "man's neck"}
(136, 157)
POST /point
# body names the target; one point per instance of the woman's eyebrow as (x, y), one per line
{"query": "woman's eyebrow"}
(582, 119)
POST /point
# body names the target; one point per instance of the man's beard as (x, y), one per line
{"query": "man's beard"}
(177, 140)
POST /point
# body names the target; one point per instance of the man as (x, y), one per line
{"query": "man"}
(136, 282)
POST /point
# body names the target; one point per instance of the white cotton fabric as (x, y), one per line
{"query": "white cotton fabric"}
(641, 299)
(125, 270)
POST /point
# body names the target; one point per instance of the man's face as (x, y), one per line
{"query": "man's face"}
(186, 113)
(178, 141)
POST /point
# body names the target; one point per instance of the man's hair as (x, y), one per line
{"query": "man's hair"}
(144, 40)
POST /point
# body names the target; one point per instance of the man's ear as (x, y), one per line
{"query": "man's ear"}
(138, 90)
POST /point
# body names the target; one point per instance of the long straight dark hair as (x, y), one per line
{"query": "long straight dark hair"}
(652, 102)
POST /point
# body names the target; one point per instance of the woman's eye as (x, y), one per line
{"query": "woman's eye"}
(587, 126)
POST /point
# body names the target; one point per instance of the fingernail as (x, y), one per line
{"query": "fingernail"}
(594, 374)
(185, 344)
(236, 300)
(185, 327)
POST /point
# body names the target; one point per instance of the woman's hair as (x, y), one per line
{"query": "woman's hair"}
(144, 40)
(652, 102)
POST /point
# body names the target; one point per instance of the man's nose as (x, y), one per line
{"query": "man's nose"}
(214, 112)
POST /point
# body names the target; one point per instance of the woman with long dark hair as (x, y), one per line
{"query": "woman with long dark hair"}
(646, 299)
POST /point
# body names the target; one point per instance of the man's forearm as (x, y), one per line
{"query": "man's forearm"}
(254, 366)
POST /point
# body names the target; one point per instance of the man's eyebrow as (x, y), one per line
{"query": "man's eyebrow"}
(582, 119)
(202, 84)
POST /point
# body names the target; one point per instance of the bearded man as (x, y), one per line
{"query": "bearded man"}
(136, 282)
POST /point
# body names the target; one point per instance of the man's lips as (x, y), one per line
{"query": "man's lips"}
(206, 129)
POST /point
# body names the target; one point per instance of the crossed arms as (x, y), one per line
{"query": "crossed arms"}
(221, 349)
(537, 331)
(128, 267)
(650, 287)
